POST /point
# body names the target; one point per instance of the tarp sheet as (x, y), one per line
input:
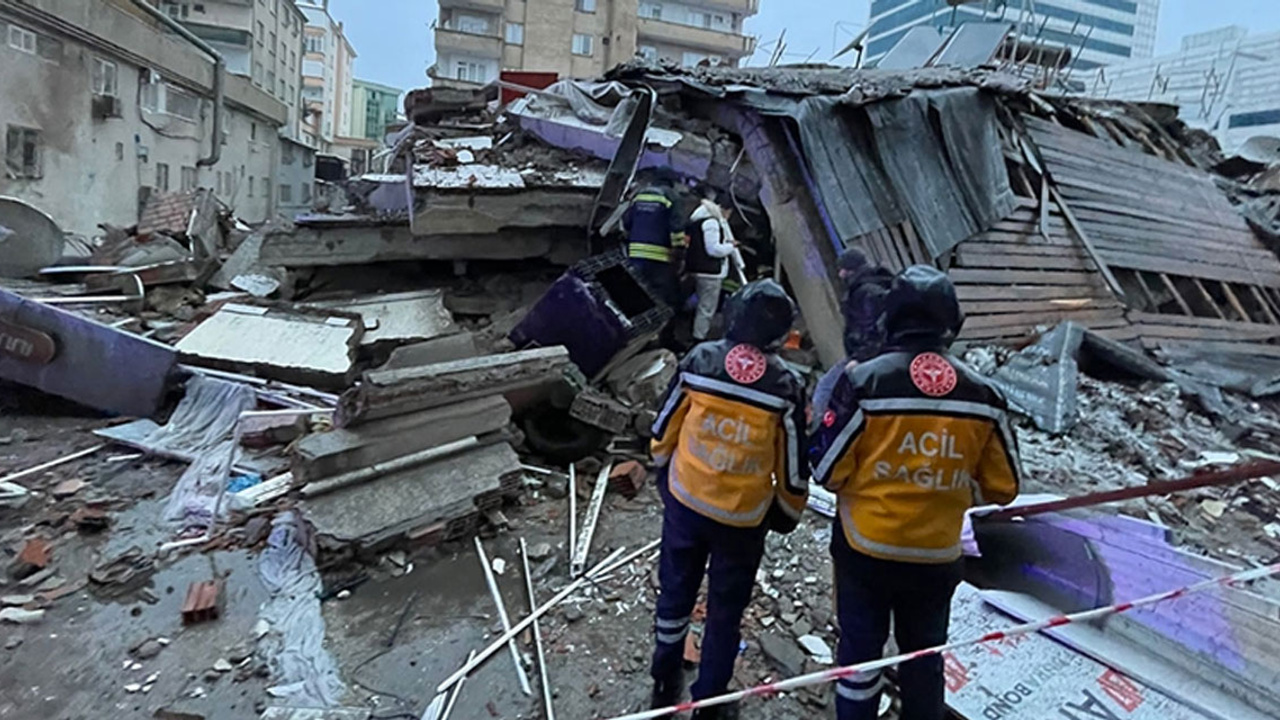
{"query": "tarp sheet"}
(932, 158)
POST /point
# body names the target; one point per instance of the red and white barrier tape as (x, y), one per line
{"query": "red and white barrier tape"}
(834, 674)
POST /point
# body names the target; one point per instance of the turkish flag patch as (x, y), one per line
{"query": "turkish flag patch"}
(746, 364)
(933, 375)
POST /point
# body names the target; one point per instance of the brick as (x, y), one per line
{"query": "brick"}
(203, 602)
(33, 558)
(628, 478)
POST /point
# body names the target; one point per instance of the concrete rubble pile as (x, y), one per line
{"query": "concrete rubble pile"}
(276, 446)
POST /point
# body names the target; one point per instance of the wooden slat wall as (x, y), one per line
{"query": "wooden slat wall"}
(1012, 279)
(1146, 213)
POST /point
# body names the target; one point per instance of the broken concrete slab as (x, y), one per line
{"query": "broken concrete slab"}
(357, 240)
(308, 347)
(93, 364)
(372, 513)
(281, 713)
(436, 350)
(387, 393)
(343, 450)
(399, 318)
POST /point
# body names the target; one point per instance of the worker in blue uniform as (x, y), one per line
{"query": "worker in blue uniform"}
(655, 232)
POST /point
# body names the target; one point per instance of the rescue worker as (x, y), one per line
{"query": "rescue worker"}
(910, 441)
(727, 444)
(655, 229)
(865, 286)
(712, 252)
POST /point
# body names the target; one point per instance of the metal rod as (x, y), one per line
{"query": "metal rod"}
(580, 553)
(502, 615)
(609, 564)
(52, 464)
(573, 516)
(1239, 473)
(376, 470)
(457, 692)
(537, 634)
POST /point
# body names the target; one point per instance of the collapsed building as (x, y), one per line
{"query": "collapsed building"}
(448, 347)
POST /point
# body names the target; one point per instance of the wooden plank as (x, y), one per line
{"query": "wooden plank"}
(917, 247)
(1046, 134)
(1146, 291)
(1204, 295)
(1022, 319)
(1245, 348)
(1210, 247)
(1090, 172)
(1188, 268)
(1176, 332)
(1023, 292)
(1189, 211)
(1031, 238)
(1259, 330)
(1095, 209)
(1035, 247)
(990, 307)
(1030, 262)
(1088, 244)
(1120, 334)
(970, 276)
(1174, 292)
(1266, 306)
(1234, 302)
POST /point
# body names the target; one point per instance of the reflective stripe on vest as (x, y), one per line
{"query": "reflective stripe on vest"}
(645, 251)
(646, 197)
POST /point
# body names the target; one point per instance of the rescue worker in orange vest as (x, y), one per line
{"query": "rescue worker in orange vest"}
(909, 441)
(728, 443)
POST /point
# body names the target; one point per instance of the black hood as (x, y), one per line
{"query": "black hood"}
(922, 309)
(760, 314)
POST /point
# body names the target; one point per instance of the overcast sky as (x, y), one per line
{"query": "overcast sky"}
(393, 41)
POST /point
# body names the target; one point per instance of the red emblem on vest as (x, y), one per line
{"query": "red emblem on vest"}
(746, 364)
(933, 375)
(829, 418)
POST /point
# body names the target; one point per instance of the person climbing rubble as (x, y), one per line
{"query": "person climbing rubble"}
(910, 441)
(712, 256)
(655, 231)
(727, 446)
(865, 286)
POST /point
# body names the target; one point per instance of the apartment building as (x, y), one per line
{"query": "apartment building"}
(260, 40)
(477, 39)
(374, 106)
(328, 75)
(99, 103)
(1098, 32)
(1225, 81)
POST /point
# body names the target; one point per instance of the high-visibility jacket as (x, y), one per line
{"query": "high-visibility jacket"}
(653, 226)
(732, 430)
(909, 442)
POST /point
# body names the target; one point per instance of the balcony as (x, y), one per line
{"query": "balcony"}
(494, 6)
(742, 7)
(714, 42)
(472, 44)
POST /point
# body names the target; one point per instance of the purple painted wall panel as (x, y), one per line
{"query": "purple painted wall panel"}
(95, 365)
(690, 165)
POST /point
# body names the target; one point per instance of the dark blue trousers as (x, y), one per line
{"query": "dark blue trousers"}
(918, 596)
(662, 279)
(689, 543)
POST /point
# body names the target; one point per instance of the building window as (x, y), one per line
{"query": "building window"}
(468, 71)
(106, 78)
(286, 193)
(22, 39)
(22, 152)
(293, 59)
(583, 44)
(651, 10)
(119, 151)
(473, 24)
(266, 188)
(257, 73)
(271, 80)
(250, 186)
(691, 59)
(282, 89)
(262, 33)
(315, 44)
(586, 6)
(273, 44)
(190, 179)
(306, 192)
(648, 52)
(515, 33)
(162, 177)
(253, 132)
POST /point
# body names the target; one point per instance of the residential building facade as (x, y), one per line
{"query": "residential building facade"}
(1225, 81)
(98, 102)
(477, 39)
(327, 77)
(1098, 32)
(260, 40)
(373, 108)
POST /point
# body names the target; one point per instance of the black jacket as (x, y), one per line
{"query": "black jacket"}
(864, 312)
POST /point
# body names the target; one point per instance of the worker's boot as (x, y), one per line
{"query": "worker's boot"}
(667, 692)
(719, 712)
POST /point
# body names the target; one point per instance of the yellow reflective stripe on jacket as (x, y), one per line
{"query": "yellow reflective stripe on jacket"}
(679, 239)
(645, 251)
(646, 197)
